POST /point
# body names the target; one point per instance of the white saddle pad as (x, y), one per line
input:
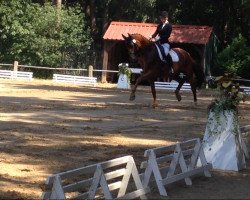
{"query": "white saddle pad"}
(172, 53)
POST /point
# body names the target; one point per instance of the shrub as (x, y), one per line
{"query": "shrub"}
(235, 58)
(42, 35)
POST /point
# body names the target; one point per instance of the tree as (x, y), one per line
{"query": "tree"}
(31, 34)
(228, 18)
(235, 58)
(58, 3)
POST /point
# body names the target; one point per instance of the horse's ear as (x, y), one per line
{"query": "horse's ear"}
(124, 37)
(130, 36)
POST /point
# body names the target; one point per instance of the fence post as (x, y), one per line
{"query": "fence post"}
(90, 70)
(15, 65)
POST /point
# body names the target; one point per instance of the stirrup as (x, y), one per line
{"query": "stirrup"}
(164, 59)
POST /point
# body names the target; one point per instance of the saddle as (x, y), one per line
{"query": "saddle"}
(170, 57)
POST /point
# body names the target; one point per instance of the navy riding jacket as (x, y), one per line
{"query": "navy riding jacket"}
(164, 32)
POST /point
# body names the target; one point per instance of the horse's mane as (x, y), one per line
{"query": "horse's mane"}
(142, 39)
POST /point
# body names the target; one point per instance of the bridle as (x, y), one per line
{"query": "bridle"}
(132, 47)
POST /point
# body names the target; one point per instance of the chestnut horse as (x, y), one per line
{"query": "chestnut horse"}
(153, 67)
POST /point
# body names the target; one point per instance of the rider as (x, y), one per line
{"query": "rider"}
(162, 33)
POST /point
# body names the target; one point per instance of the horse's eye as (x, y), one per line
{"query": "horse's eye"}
(131, 43)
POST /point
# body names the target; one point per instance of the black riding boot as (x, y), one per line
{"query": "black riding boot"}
(169, 60)
(170, 66)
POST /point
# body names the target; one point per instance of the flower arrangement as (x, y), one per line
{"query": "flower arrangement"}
(230, 94)
(124, 69)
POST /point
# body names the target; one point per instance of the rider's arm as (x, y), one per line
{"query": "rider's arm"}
(155, 33)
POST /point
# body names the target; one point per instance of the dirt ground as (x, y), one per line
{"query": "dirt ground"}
(46, 128)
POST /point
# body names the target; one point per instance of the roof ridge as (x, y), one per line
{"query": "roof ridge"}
(133, 23)
(154, 24)
(181, 33)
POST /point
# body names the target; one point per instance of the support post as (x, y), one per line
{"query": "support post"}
(105, 63)
(15, 66)
(90, 71)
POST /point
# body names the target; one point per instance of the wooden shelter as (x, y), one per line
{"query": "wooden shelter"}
(197, 40)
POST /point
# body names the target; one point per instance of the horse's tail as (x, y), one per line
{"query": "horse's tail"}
(199, 74)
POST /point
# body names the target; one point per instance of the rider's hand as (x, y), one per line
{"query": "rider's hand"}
(152, 39)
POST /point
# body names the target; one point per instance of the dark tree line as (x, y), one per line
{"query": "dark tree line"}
(230, 19)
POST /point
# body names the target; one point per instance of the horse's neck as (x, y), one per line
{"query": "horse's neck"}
(146, 46)
(145, 42)
(142, 41)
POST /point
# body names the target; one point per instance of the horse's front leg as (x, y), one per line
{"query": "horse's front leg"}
(152, 84)
(143, 77)
(132, 95)
(177, 91)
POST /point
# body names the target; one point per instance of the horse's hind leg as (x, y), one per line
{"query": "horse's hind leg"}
(193, 88)
(177, 91)
(152, 84)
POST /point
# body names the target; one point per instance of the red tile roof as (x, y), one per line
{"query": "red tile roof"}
(180, 33)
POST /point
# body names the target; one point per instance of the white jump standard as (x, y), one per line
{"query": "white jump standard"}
(223, 143)
(173, 163)
(106, 180)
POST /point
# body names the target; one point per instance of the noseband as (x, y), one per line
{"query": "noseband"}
(133, 49)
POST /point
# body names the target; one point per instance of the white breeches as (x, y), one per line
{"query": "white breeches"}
(166, 48)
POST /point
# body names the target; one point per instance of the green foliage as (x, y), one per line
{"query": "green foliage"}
(230, 94)
(235, 58)
(202, 12)
(42, 35)
(135, 10)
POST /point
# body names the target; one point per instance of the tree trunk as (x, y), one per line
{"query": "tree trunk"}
(58, 3)
(105, 21)
(93, 17)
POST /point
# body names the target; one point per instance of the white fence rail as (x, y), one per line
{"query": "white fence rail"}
(159, 85)
(75, 79)
(100, 180)
(172, 86)
(185, 87)
(16, 74)
(173, 163)
(246, 89)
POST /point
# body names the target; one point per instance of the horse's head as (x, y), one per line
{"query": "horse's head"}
(134, 43)
(131, 44)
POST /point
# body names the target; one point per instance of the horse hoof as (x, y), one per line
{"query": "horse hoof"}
(178, 98)
(132, 97)
(155, 105)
